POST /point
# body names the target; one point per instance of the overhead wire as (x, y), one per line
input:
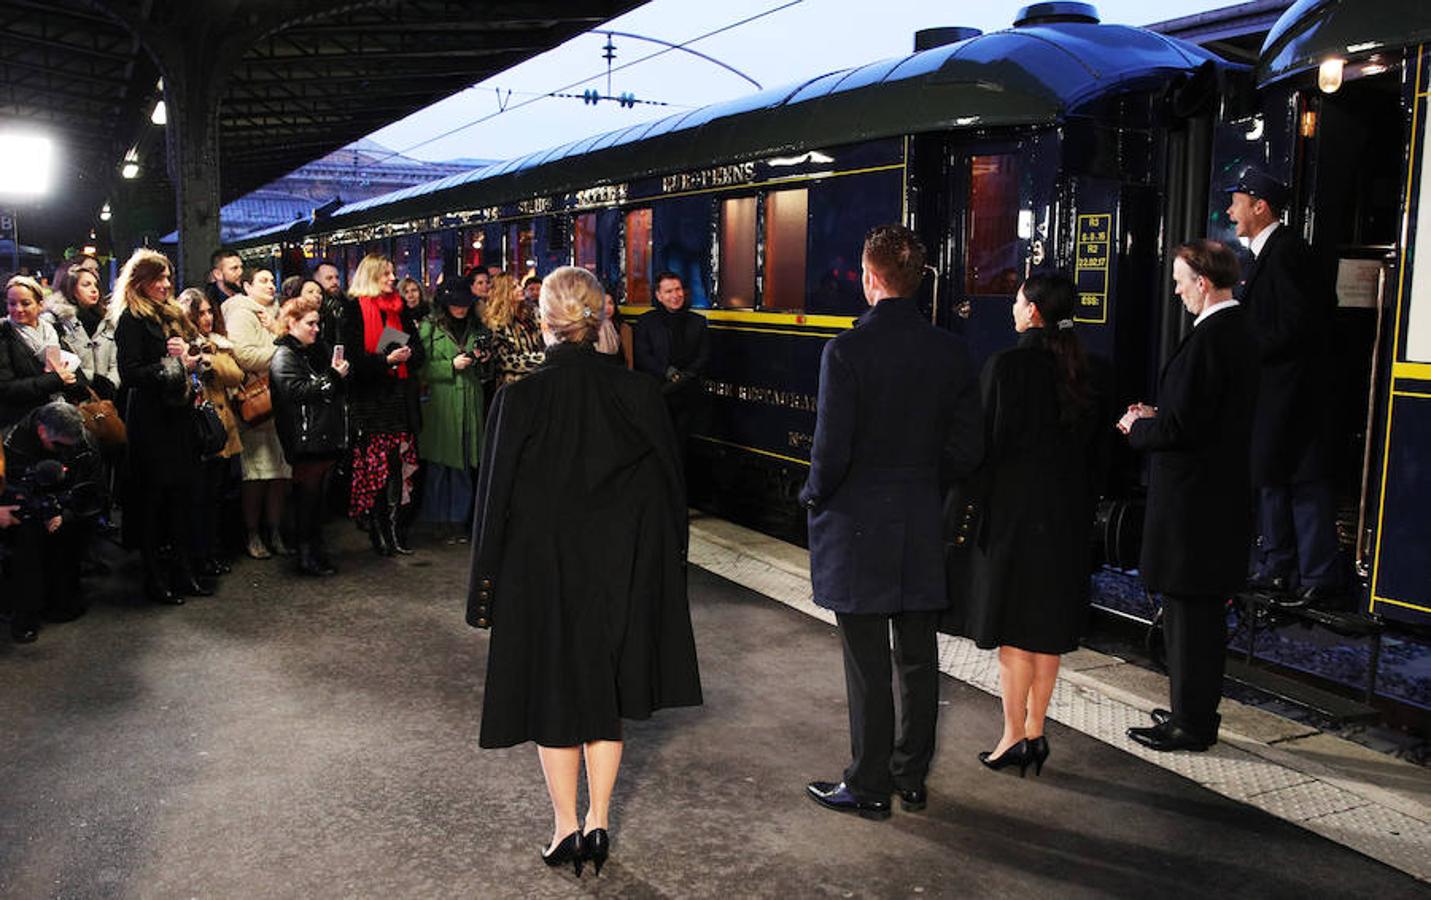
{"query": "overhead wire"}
(602, 74)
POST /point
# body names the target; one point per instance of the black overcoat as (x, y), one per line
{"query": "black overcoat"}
(1199, 518)
(898, 410)
(1291, 314)
(162, 446)
(24, 383)
(578, 559)
(1032, 557)
(378, 400)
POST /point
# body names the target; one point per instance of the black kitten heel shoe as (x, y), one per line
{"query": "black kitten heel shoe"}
(598, 847)
(571, 850)
(1038, 753)
(1017, 755)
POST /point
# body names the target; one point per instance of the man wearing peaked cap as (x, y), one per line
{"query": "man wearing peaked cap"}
(1292, 320)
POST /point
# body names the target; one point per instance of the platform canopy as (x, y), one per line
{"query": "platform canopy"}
(296, 79)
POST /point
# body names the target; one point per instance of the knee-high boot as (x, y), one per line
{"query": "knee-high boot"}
(393, 518)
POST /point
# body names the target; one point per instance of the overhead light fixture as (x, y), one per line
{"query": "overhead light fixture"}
(25, 163)
(160, 115)
(1329, 76)
(104, 214)
(130, 167)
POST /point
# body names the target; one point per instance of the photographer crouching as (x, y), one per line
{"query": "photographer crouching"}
(46, 511)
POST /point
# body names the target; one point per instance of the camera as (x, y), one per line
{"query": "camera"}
(45, 491)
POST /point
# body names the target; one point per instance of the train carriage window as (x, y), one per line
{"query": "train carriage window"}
(638, 258)
(786, 226)
(736, 287)
(842, 211)
(439, 248)
(472, 246)
(993, 254)
(407, 256)
(350, 256)
(521, 260)
(682, 229)
(552, 243)
(583, 242)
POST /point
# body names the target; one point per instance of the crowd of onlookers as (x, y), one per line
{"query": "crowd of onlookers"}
(198, 425)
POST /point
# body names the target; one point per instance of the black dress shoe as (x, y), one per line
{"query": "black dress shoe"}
(913, 801)
(1320, 593)
(157, 593)
(1168, 737)
(24, 634)
(572, 849)
(842, 799)
(1277, 584)
(189, 586)
(598, 847)
(1161, 716)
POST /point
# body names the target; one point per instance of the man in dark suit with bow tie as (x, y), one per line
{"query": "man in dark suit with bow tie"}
(898, 410)
(1292, 318)
(1198, 520)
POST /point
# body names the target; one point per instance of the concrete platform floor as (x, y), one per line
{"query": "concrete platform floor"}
(299, 738)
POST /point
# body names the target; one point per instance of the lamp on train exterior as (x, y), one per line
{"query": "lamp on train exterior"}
(1329, 76)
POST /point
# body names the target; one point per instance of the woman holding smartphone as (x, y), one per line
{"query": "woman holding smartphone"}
(306, 378)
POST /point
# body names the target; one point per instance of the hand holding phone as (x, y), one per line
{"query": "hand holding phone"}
(337, 354)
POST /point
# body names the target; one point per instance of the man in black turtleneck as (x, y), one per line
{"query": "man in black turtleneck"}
(671, 343)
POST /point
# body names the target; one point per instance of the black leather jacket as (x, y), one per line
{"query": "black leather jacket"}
(309, 407)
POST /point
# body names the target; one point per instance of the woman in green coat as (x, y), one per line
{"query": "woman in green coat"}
(457, 359)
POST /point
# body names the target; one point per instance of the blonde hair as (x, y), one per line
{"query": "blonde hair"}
(502, 301)
(401, 288)
(368, 280)
(294, 309)
(573, 306)
(143, 269)
(27, 283)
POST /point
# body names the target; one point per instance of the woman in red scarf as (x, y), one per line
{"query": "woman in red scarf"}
(379, 336)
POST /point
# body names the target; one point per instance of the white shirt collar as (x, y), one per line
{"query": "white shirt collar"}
(1215, 308)
(1261, 240)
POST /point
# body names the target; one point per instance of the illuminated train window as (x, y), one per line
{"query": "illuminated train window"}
(407, 256)
(583, 242)
(638, 257)
(786, 226)
(992, 253)
(737, 253)
(521, 261)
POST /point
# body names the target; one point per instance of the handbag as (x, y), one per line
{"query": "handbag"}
(255, 403)
(102, 421)
(209, 430)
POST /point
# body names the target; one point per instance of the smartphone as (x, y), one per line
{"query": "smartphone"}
(337, 353)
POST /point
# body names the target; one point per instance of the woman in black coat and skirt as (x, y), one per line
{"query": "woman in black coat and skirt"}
(579, 564)
(383, 401)
(155, 361)
(306, 380)
(1031, 562)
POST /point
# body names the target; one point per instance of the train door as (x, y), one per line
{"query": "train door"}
(1348, 161)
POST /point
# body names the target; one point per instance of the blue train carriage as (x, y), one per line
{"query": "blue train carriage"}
(1341, 115)
(1044, 144)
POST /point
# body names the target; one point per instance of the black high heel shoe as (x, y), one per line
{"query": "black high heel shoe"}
(1038, 753)
(1017, 755)
(571, 850)
(598, 847)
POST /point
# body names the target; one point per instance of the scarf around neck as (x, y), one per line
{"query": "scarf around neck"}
(382, 311)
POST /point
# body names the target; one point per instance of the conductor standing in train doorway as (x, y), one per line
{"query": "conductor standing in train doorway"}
(898, 413)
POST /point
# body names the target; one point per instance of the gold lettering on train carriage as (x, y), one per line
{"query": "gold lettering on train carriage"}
(602, 195)
(535, 206)
(763, 395)
(718, 176)
(1090, 266)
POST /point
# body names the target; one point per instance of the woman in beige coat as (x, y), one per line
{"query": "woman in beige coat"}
(250, 319)
(219, 374)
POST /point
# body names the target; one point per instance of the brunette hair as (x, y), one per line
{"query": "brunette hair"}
(294, 309)
(1213, 260)
(292, 286)
(368, 279)
(69, 284)
(192, 299)
(1055, 296)
(572, 305)
(143, 269)
(897, 254)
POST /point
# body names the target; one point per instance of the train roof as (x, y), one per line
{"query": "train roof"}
(1027, 75)
(1312, 31)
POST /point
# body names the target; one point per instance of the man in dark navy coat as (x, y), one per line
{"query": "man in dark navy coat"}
(1198, 520)
(898, 411)
(1291, 317)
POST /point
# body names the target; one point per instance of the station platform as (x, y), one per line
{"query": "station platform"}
(317, 738)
